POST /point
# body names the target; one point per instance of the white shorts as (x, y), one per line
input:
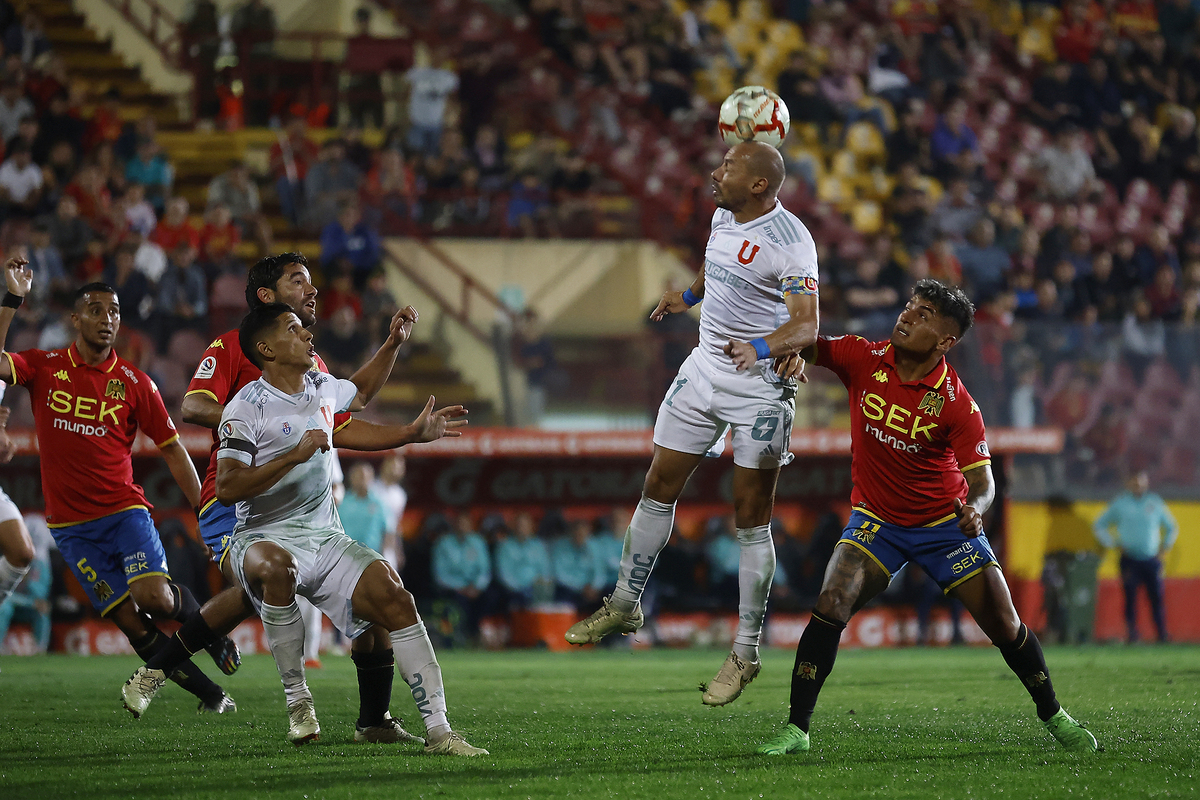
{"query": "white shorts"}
(8, 509)
(328, 568)
(705, 401)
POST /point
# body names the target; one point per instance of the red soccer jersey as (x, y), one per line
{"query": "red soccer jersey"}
(87, 418)
(910, 442)
(222, 373)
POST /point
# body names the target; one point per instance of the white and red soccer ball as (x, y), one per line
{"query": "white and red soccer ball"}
(753, 113)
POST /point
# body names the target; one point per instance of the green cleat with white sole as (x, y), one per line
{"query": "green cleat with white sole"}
(792, 740)
(1070, 734)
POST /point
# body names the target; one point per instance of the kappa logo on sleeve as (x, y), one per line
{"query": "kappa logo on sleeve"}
(207, 368)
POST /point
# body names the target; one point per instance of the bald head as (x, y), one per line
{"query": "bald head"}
(763, 161)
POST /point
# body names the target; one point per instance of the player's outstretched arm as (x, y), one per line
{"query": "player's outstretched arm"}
(237, 481)
(371, 376)
(183, 470)
(679, 302)
(18, 279)
(200, 409)
(431, 425)
(981, 491)
(793, 336)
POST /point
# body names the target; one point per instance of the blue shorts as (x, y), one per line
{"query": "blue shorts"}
(109, 553)
(216, 527)
(942, 550)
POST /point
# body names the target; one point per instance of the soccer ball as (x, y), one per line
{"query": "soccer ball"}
(753, 114)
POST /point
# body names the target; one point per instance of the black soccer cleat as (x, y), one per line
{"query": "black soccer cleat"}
(225, 655)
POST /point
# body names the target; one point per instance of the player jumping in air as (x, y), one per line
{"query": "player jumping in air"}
(222, 372)
(275, 464)
(922, 480)
(759, 287)
(88, 406)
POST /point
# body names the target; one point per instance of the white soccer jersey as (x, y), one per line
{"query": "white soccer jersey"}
(261, 423)
(748, 269)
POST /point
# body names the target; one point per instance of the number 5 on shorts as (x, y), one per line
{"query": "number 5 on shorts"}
(679, 384)
(87, 571)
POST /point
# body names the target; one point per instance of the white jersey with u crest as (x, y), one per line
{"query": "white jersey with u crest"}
(261, 423)
(748, 271)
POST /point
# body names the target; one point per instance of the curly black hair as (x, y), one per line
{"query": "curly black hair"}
(266, 274)
(950, 302)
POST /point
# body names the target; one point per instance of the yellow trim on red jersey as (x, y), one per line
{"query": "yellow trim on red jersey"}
(869, 553)
(202, 391)
(12, 366)
(983, 463)
(935, 523)
(344, 424)
(945, 372)
(93, 519)
(169, 442)
(968, 577)
(115, 603)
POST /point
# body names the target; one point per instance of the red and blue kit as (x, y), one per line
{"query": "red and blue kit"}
(86, 420)
(222, 373)
(910, 445)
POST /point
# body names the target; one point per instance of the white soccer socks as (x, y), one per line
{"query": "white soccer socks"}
(284, 630)
(10, 577)
(419, 667)
(648, 533)
(756, 570)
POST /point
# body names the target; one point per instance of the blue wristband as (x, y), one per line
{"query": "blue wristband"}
(690, 298)
(760, 347)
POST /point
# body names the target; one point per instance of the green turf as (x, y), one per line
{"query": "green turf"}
(891, 724)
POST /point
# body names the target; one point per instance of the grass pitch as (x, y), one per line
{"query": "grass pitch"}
(942, 723)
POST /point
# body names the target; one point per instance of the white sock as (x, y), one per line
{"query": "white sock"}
(421, 671)
(10, 576)
(648, 533)
(284, 630)
(756, 569)
(312, 629)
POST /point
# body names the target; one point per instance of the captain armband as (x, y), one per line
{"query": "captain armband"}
(796, 285)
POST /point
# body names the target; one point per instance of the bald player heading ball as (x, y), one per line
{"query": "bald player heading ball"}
(759, 287)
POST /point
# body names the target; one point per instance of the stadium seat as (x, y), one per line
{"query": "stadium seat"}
(866, 143)
(836, 190)
(867, 217)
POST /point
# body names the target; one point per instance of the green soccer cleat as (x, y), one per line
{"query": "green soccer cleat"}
(792, 740)
(1070, 734)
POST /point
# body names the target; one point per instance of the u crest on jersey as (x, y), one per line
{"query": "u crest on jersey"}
(742, 257)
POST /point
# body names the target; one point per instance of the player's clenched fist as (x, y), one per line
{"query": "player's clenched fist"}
(310, 443)
(402, 324)
(969, 520)
(18, 277)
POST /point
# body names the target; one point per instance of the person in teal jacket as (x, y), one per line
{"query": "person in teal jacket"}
(578, 574)
(362, 512)
(608, 545)
(30, 601)
(1145, 531)
(523, 566)
(462, 570)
